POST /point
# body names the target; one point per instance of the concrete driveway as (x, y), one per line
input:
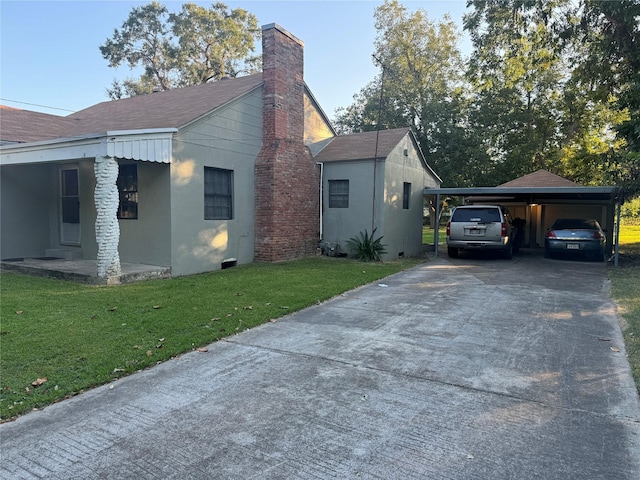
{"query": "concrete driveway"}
(457, 369)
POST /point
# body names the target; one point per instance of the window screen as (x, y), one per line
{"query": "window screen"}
(338, 193)
(406, 195)
(218, 194)
(128, 191)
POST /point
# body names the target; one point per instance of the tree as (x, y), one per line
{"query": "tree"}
(518, 74)
(557, 84)
(421, 85)
(610, 33)
(194, 46)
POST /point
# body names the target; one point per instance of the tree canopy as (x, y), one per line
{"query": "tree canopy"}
(551, 84)
(196, 45)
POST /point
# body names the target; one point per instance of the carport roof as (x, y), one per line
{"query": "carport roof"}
(532, 194)
(540, 186)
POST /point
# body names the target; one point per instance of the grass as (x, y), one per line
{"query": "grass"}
(428, 235)
(625, 288)
(79, 336)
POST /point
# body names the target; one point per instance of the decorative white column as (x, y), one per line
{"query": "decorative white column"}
(107, 228)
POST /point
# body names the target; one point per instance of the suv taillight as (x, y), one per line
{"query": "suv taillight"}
(503, 232)
(448, 229)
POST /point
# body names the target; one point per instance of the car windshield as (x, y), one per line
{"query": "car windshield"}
(574, 224)
(476, 215)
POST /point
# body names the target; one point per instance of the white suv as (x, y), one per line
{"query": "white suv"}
(480, 227)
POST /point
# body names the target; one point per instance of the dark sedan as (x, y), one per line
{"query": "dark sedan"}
(575, 237)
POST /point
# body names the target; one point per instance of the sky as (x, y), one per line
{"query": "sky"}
(50, 59)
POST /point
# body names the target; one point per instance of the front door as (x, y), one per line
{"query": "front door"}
(69, 207)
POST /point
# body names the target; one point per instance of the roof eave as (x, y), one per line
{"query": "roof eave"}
(146, 145)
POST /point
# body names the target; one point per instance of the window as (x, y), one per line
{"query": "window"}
(406, 195)
(70, 196)
(218, 194)
(338, 193)
(128, 191)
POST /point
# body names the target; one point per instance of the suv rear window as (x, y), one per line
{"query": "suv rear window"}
(484, 215)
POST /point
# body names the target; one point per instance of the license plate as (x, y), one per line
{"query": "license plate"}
(475, 231)
(573, 246)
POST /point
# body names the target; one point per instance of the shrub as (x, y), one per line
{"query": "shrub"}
(365, 248)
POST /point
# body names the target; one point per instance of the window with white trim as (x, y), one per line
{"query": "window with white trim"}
(338, 193)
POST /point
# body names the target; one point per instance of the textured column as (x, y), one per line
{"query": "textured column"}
(107, 227)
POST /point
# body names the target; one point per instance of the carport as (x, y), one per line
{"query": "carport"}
(540, 206)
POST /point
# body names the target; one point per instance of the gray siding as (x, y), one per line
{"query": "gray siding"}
(26, 193)
(30, 213)
(401, 229)
(316, 130)
(230, 139)
(340, 224)
(147, 239)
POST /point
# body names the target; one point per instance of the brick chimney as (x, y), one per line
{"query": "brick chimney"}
(286, 178)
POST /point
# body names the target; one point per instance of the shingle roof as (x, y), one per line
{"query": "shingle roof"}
(167, 109)
(18, 125)
(361, 145)
(540, 178)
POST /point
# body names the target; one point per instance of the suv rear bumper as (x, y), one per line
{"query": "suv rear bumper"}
(478, 245)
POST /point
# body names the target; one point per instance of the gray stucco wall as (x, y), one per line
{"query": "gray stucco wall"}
(147, 239)
(25, 193)
(228, 139)
(401, 229)
(316, 131)
(30, 217)
(340, 224)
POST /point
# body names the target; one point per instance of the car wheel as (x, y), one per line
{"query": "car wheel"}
(508, 252)
(452, 252)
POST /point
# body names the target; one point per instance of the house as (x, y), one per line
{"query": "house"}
(197, 178)
(374, 180)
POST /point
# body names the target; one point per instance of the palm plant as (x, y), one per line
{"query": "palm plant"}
(365, 248)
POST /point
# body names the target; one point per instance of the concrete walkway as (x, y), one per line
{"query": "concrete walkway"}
(457, 369)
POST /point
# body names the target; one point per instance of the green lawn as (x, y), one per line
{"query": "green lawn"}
(79, 336)
(428, 235)
(625, 288)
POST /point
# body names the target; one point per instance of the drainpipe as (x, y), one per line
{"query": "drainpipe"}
(321, 165)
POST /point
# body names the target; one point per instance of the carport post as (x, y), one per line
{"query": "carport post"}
(436, 233)
(617, 239)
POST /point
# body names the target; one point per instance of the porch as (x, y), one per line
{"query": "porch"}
(83, 271)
